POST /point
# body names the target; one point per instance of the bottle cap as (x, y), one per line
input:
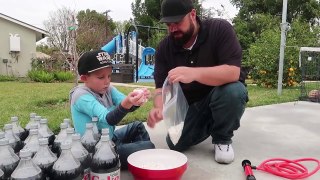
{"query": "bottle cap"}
(105, 131)
(34, 131)
(25, 152)
(70, 130)
(105, 138)
(76, 136)
(37, 118)
(43, 121)
(65, 145)
(1, 134)
(63, 125)
(14, 119)
(94, 119)
(32, 115)
(34, 126)
(4, 141)
(89, 125)
(7, 126)
(43, 141)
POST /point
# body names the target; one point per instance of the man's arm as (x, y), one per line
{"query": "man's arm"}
(212, 76)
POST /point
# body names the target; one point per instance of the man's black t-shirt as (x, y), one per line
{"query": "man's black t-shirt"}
(216, 44)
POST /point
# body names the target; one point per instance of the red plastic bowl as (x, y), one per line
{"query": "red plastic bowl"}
(157, 164)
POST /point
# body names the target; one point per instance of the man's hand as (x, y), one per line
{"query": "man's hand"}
(155, 115)
(181, 74)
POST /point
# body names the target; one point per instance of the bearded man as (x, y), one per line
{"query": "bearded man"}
(204, 56)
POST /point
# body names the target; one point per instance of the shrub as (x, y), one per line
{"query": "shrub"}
(7, 78)
(41, 76)
(264, 55)
(63, 76)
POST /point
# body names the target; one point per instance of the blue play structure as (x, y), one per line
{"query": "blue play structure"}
(116, 47)
(146, 70)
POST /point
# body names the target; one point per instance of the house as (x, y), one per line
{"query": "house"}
(17, 45)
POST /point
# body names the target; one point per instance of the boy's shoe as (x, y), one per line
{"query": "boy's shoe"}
(223, 153)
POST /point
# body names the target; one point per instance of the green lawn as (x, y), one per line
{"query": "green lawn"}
(50, 100)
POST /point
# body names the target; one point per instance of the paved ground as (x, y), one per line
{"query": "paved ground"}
(288, 130)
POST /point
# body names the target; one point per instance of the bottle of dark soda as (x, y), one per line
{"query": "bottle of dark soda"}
(70, 132)
(17, 129)
(45, 131)
(14, 140)
(8, 159)
(26, 168)
(88, 139)
(67, 166)
(95, 128)
(80, 153)
(37, 120)
(59, 138)
(105, 132)
(32, 142)
(44, 158)
(1, 175)
(31, 121)
(105, 162)
(68, 121)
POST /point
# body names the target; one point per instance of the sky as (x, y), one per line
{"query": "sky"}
(35, 12)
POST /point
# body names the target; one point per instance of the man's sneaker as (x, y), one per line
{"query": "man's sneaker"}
(223, 153)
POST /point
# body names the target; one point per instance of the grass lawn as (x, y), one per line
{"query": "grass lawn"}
(50, 100)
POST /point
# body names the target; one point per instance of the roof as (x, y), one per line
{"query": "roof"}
(40, 33)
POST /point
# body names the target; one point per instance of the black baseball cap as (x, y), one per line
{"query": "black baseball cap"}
(174, 10)
(93, 60)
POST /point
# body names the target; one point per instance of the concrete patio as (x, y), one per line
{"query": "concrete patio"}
(288, 130)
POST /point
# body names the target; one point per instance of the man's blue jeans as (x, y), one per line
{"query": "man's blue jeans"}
(217, 115)
(129, 139)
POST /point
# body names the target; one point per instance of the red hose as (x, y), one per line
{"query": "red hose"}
(290, 169)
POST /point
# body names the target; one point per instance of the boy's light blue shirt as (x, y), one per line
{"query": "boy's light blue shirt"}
(86, 104)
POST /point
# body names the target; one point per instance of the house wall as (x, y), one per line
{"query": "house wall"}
(18, 64)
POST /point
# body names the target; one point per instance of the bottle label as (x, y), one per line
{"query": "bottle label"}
(86, 174)
(115, 175)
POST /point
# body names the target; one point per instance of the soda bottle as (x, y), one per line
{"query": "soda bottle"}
(70, 132)
(17, 129)
(26, 169)
(31, 121)
(37, 121)
(68, 121)
(59, 138)
(95, 128)
(32, 142)
(105, 162)
(44, 158)
(14, 140)
(67, 166)
(1, 174)
(80, 153)
(8, 159)
(88, 140)
(45, 131)
(104, 132)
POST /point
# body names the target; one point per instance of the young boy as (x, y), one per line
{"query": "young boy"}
(98, 98)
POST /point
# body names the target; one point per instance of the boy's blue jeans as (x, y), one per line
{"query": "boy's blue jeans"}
(217, 115)
(129, 139)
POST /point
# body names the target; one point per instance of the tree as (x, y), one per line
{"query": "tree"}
(264, 54)
(306, 10)
(58, 28)
(93, 30)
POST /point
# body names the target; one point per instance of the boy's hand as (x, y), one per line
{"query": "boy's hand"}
(139, 96)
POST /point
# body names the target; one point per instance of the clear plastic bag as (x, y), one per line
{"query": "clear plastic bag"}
(175, 108)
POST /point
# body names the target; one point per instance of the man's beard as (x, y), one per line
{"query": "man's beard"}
(180, 41)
